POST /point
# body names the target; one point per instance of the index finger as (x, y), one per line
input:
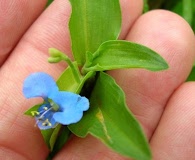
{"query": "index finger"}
(15, 18)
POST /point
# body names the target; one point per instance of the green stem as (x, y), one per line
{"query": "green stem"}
(75, 70)
(56, 56)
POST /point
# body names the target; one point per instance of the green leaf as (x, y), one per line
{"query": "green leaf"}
(67, 81)
(54, 136)
(87, 77)
(153, 4)
(47, 136)
(191, 77)
(193, 20)
(123, 54)
(110, 120)
(146, 6)
(188, 11)
(49, 2)
(92, 23)
(63, 137)
(33, 110)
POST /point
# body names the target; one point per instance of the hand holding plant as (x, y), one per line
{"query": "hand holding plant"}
(150, 96)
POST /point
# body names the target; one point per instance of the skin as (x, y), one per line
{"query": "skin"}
(162, 101)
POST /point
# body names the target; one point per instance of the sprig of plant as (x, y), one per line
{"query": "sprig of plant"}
(104, 114)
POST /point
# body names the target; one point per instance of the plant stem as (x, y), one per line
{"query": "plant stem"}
(75, 70)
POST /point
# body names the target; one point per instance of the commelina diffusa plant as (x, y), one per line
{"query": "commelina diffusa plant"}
(65, 110)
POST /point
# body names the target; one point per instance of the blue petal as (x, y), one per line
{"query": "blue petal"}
(68, 117)
(39, 84)
(73, 113)
(64, 99)
(82, 103)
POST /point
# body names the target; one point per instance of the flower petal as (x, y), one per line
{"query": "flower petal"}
(68, 117)
(64, 99)
(82, 103)
(39, 84)
(73, 113)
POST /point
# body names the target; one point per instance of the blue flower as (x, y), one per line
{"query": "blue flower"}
(58, 107)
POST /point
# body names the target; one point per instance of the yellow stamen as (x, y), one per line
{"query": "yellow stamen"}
(35, 113)
(46, 123)
(45, 108)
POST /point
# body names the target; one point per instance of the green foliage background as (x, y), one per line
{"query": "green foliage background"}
(49, 2)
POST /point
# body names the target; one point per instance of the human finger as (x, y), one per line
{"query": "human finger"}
(15, 18)
(30, 55)
(174, 137)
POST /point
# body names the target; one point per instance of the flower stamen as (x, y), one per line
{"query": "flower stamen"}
(46, 123)
(54, 106)
(42, 115)
(45, 108)
(35, 113)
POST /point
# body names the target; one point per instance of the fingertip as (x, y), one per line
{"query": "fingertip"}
(174, 137)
